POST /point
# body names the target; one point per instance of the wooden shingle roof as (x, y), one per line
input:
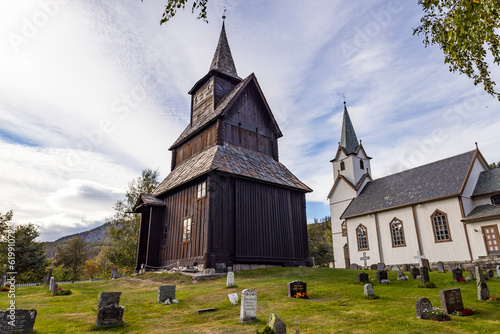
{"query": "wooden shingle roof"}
(234, 160)
(483, 212)
(488, 182)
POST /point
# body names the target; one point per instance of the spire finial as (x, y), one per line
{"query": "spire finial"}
(224, 14)
(344, 97)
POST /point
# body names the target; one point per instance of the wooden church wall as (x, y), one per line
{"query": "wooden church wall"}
(205, 139)
(180, 205)
(221, 87)
(203, 102)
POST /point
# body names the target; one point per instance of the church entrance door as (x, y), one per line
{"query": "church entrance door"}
(491, 239)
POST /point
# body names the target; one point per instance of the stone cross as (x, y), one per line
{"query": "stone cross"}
(419, 257)
(364, 258)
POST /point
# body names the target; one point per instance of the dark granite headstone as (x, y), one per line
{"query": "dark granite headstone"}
(483, 293)
(114, 273)
(166, 292)
(24, 321)
(276, 324)
(422, 306)
(381, 274)
(109, 298)
(414, 272)
(490, 274)
(353, 266)
(424, 275)
(295, 287)
(451, 300)
(425, 263)
(363, 277)
(457, 274)
(440, 266)
(109, 316)
(373, 267)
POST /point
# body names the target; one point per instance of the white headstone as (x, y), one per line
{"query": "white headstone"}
(230, 279)
(248, 305)
(498, 270)
(369, 290)
(51, 285)
(233, 298)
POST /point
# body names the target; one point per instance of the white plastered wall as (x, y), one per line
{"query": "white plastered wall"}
(476, 236)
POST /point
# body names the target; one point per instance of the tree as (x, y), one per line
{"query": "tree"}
(73, 256)
(320, 241)
(124, 226)
(173, 5)
(29, 255)
(465, 30)
(495, 165)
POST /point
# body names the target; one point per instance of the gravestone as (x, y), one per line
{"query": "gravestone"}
(233, 298)
(498, 270)
(276, 324)
(422, 306)
(419, 257)
(114, 273)
(248, 311)
(395, 268)
(3, 280)
(52, 281)
(295, 287)
(230, 279)
(414, 272)
(109, 312)
(24, 321)
(55, 286)
(401, 276)
(472, 274)
(424, 275)
(406, 267)
(381, 274)
(451, 300)
(425, 263)
(369, 290)
(440, 265)
(373, 267)
(354, 266)
(380, 266)
(363, 277)
(220, 267)
(46, 279)
(166, 292)
(457, 274)
(483, 293)
(490, 274)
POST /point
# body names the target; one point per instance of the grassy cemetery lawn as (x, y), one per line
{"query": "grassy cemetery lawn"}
(337, 304)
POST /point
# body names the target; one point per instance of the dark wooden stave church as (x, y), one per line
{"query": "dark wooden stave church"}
(228, 200)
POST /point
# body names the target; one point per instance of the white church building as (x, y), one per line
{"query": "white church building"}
(448, 210)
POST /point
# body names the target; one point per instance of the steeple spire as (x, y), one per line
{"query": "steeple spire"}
(348, 140)
(223, 60)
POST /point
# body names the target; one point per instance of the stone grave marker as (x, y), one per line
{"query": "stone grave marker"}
(483, 293)
(395, 268)
(373, 267)
(276, 324)
(248, 311)
(114, 273)
(401, 276)
(166, 292)
(422, 306)
(380, 266)
(52, 281)
(457, 274)
(381, 274)
(498, 270)
(362, 277)
(472, 274)
(424, 275)
(3, 280)
(24, 322)
(425, 263)
(364, 258)
(440, 265)
(55, 286)
(419, 257)
(414, 272)
(233, 298)
(295, 287)
(46, 279)
(230, 279)
(369, 290)
(406, 267)
(451, 300)
(109, 312)
(353, 266)
(490, 274)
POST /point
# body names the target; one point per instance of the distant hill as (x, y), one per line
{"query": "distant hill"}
(95, 239)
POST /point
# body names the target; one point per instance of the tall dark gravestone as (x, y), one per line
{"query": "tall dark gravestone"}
(457, 274)
(381, 275)
(451, 300)
(424, 275)
(414, 272)
(296, 287)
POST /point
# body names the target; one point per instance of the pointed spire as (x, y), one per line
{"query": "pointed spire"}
(348, 140)
(223, 60)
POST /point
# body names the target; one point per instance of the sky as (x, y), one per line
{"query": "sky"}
(92, 92)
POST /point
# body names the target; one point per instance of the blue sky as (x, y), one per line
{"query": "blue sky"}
(92, 92)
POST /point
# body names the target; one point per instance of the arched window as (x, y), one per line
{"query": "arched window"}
(362, 237)
(440, 226)
(344, 229)
(495, 200)
(361, 164)
(397, 233)
(342, 165)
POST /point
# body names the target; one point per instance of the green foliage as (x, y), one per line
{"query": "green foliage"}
(62, 274)
(30, 261)
(320, 241)
(173, 5)
(495, 165)
(465, 30)
(64, 292)
(266, 330)
(123, 231)
(427, 285)
(73, 256)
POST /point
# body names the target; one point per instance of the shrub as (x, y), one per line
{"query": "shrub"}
(266, 330)
(427, 285)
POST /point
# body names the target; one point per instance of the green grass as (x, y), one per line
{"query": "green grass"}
(337, 304)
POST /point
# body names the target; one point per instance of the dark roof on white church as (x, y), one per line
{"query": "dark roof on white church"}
(234, 160)
(488, 182)
(348, 140)
(432, 181)
(486, 211)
